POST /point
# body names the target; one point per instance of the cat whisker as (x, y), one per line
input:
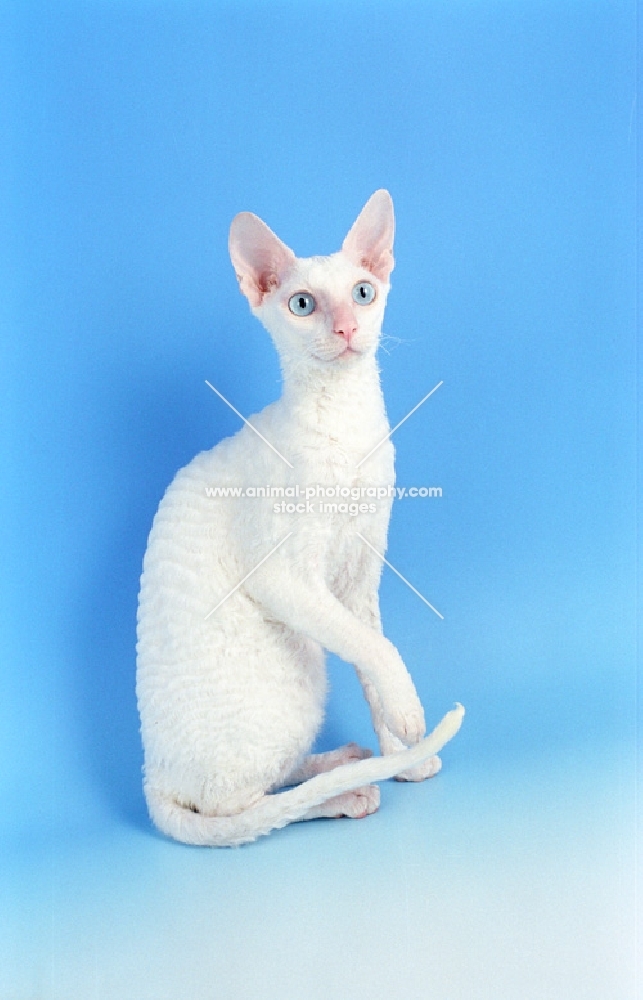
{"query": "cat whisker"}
(396, 341)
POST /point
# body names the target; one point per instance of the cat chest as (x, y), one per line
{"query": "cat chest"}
(345, 550)
(366, 461)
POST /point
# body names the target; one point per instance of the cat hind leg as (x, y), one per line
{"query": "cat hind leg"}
(343, 791)
(356, 804)
(318, 763)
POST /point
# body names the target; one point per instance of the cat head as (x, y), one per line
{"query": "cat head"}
(327, 310)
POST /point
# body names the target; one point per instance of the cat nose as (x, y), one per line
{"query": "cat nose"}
(344, 324)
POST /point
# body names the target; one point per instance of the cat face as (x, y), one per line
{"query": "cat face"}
(327, 310)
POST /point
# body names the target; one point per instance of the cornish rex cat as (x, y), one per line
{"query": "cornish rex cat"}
(240, 596)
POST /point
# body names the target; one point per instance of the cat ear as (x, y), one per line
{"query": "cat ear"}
(259, 257)
(369, 244)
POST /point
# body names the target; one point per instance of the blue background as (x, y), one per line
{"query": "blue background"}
(131, 135)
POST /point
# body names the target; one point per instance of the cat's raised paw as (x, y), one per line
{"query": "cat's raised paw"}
(409, 726)
(427, 769)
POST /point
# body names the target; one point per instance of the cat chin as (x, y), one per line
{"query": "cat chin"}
(345, 356)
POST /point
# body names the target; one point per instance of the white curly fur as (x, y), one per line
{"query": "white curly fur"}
(231, 701)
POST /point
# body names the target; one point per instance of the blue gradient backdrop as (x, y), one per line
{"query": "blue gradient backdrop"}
(131, 135)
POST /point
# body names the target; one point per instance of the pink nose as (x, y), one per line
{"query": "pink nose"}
(344, 324)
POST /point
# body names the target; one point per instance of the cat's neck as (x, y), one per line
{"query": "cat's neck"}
(336, 398)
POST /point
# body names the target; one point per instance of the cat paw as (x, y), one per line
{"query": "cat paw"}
(357, 804)
(320, 762)
(348, 754)
(427, 769)
(409, 726)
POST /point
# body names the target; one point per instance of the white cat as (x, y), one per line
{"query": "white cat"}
(232, 699)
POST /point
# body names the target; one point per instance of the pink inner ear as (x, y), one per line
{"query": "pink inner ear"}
(380, 264)
(369, 243)
(253, 289)
(259, 257)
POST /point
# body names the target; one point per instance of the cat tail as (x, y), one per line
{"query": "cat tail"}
(275, 811)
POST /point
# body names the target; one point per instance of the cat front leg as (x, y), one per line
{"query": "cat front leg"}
(310, 607)
(363, 600)
(389, 743)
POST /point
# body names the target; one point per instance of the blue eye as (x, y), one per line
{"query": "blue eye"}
(363, 293)
(301, 304)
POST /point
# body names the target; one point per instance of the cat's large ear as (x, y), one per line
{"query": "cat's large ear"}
(259, 258)
(369, 244)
